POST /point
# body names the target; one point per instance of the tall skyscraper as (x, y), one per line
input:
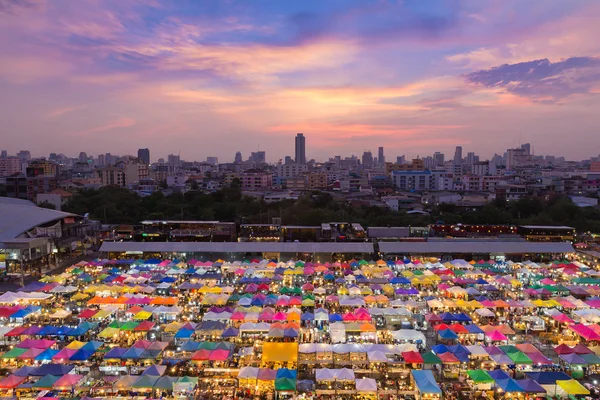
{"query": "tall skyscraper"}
(258, 157)
(527, 148)
(174, 160)
(144, 156)
(458, 159)
(470, 158)
(238, 157)
(300, 149)
(380, 157)
(367, 159)
(24, 156)
(4, 155)
(83, 157)
(438, 159)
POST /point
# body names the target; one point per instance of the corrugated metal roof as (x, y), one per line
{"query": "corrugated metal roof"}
(18, 217)
(236, 247)
(505, 247)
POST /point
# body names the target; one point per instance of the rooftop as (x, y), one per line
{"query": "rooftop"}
(470, 247)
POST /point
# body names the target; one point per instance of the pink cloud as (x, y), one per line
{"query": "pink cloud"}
(65, 110)
(123, 122)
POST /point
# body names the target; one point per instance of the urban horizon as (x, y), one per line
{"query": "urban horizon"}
(412, 77)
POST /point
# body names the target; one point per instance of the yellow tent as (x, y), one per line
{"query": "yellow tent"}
(108, 333)
(142, 315)
(79, 296)
(102, 314)
(573, 387)
(283, 352)
(173, 327)
(75, 345)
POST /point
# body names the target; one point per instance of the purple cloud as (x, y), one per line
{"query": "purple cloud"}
(542, 80)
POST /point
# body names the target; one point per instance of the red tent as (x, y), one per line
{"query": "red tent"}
(412, 357)
(563, 349)
(458, 328)
(448, 358)
(12, 381)
(441, 327)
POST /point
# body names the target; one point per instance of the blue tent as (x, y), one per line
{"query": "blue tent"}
(548, 378)
(460, 352)
(46, 355)
(425, 382)
(81, 329)
(190, 346)
(184, 333)
(289, 332)
(440, 349)
(447, 334)
(133, 353)
(481, 281)
(530, 386)
(48, 330)
(24, 371)
(462, 317)
(307, 316)
(335, 318)
(472, 328)
(115, 353)
(52, 369)
(400, 280)
(230, 332)
(447, 317)
(82, 354)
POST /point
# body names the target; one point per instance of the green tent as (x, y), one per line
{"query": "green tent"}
(431, 358)
(285, 384)
(13, 353)
(46, 382)
(480, 376)
(234, 297)
(592, 359)
(145, 382)
(507, 348)
(518, 357)
(129, 325)
(207, 346)
(115, 324)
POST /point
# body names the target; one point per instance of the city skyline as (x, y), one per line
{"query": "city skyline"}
(201, 79)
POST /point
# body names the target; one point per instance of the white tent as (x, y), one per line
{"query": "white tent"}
(366, 385)
(409, 335)
(485, 312)
(377, 356)
(248, 373)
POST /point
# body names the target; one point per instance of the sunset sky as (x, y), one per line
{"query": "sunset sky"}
(209, 78)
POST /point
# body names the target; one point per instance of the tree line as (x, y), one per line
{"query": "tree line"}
(113, 205)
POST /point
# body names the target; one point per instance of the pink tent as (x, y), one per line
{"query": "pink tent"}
(201, 355)
(142, 344)
(36, 344)
(547, 281)
(30, 354)
(219, 355)
(496, 336)
(66, 382)
(64, 355)
(12, 381)
(279, 316)
(563, 318)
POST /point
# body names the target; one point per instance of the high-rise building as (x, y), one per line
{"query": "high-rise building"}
(144, 156)
(400, 160)
(174, 160)
(24, 156)
(367, 159)
(288, 160)
(300, 149)
(515, 158)
(380, 156)
(258, 157)
(212, 160)
(4, 155)
(238, 157)
(101, 160)
(526, 148)
(438, 159)
(83, 157)
(470, 158)
(9, 166)
(458, 159)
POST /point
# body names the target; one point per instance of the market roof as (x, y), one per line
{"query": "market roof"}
(236, 247)
(562, 227)
(475, 246)
(17, 217)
